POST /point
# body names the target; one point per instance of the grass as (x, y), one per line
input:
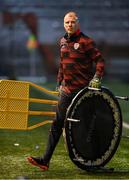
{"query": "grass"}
(13, 162)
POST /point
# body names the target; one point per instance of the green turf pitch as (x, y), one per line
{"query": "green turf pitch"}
(15, 146)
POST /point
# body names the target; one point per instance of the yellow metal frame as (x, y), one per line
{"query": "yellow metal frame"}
(14, 104)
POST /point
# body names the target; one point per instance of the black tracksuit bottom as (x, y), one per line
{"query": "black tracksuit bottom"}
(58, 124)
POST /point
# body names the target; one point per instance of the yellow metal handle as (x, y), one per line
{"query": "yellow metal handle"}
(15, 103)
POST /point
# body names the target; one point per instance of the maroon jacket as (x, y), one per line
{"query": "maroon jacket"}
(78, 54)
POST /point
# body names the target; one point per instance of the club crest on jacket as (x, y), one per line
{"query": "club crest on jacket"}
(76, 45)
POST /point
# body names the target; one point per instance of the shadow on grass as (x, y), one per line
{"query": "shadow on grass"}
(75, 173)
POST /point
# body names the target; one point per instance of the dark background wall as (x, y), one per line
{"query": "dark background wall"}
(106, 21)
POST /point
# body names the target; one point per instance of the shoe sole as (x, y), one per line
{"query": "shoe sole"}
(33, 162)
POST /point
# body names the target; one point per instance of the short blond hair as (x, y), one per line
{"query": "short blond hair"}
(72, 14)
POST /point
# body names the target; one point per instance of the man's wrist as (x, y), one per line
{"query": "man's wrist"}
(97, 77)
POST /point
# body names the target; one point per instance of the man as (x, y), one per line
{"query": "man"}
(78, 54)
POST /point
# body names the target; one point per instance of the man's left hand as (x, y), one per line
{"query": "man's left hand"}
(95, 83)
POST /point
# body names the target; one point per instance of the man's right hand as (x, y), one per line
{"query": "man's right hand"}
(59, 89)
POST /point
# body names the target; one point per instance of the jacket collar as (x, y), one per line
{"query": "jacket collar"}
(73, 37)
